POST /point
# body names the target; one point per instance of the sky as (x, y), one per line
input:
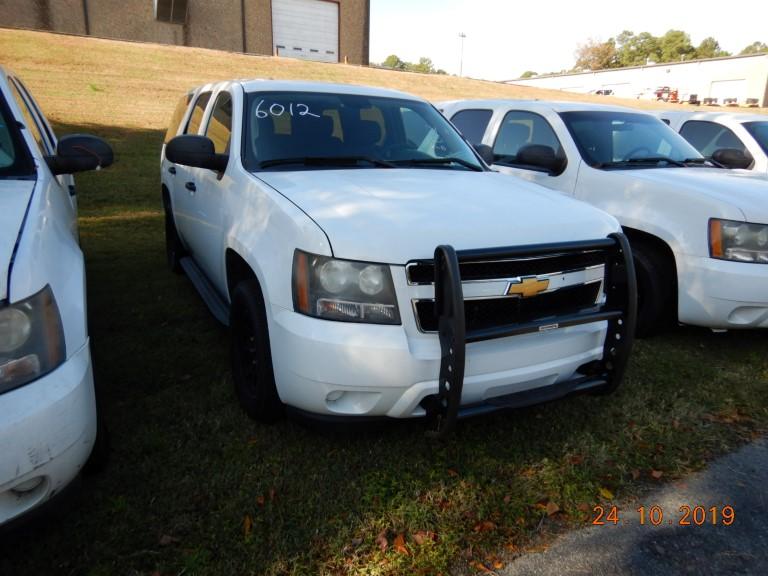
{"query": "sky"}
(504, 38)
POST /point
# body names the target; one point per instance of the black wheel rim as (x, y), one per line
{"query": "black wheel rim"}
(246, 354)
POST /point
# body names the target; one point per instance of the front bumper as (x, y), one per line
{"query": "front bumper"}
(47, 431)
(721, 294)
(344, 369)
(357, 370)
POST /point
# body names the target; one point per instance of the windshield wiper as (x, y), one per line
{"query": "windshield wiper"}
(656, 160)
(327, 161)
(650, 161)
(440, 162)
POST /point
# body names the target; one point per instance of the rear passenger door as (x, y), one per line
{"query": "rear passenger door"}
(208, 201)
(520, 129)
(183, 192)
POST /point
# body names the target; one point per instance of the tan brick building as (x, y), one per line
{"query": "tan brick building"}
(327, 30)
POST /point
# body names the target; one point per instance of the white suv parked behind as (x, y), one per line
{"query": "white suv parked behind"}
(310, 217)
(734, 139)
(48, 419)
(699, 234)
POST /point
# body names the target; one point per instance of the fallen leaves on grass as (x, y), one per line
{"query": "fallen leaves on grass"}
(381, 541)
(484, 526)
(247, 526)
(167, 540)
(399, 544)
(607, 494)
(423, 536)
(657, 474)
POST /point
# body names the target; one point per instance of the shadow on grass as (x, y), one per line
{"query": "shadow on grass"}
(194, 485)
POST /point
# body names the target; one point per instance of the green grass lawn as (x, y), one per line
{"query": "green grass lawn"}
(194, 487)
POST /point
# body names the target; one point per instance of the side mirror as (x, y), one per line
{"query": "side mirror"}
(80, 153)
(543, 157)
(195, 151)
(732, 158)
(485, 152)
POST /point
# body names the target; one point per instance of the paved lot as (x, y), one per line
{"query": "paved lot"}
(739, 480)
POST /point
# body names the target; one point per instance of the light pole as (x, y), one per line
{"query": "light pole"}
(461, 58)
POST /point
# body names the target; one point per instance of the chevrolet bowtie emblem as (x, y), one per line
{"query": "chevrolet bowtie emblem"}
(527, 287)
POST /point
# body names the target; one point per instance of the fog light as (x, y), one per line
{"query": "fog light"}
(27, 485)
(333, 396)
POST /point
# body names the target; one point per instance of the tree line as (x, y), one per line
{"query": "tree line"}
(424, 65)
(630, 49)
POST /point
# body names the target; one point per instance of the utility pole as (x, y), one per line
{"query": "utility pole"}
(461, 58)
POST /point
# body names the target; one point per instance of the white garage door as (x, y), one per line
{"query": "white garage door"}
(722, 89)
(307, 29)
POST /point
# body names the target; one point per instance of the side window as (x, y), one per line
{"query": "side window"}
(29, 121)
(196, 118)
(708, 137)
(522, 129)
(178, 116)
(36, 110)
(666, 121)
(472, 124)
(219, 128)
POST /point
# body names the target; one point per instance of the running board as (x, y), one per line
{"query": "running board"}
(205, 289)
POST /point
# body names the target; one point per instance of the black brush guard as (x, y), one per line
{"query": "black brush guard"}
(619, 310)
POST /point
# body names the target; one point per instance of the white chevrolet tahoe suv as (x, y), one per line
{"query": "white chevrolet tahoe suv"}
(733, 139)
(699, 234)
(369, 264)
(48, 418)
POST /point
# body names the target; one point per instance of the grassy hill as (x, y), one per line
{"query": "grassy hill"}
(107, 82)
(194, 487)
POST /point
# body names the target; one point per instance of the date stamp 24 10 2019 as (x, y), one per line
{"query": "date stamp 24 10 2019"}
(657, 516)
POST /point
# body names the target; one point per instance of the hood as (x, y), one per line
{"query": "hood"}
(745, 190)
(396, 215)
(14, 199)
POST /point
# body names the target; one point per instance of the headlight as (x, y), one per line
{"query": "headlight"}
(738, 241)
(31, 340)
(343, 290)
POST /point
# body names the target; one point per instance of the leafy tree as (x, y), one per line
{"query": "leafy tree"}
(710, 48)
(675, 46)
(637, 50)
(596, 55)
(424, 66)
(755, 48)
(528, 74)
(392, 61)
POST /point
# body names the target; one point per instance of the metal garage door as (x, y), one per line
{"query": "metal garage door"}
(307, 29)
(722, 89)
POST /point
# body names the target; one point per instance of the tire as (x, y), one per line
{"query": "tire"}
(174, 250)
(654, 290)
(251, 354)
(99, 457)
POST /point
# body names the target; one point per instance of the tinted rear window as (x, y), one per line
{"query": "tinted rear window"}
(759, 131)
(472, 123)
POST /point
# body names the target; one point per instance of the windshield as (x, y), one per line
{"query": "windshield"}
(759, 131)
(609, 139)
(311, 130)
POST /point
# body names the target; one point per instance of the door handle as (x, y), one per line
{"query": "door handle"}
(190, 186)
(172, 170)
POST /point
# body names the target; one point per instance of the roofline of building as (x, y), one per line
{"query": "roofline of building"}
(656, 65)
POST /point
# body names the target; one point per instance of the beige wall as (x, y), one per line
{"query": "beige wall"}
(209, 24)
